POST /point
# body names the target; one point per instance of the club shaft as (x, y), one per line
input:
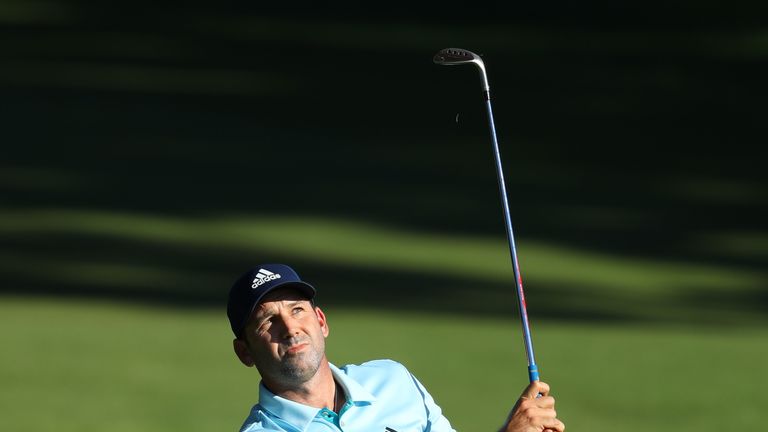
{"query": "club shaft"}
(533, 373)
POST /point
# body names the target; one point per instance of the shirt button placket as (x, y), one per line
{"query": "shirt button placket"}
(329, 419)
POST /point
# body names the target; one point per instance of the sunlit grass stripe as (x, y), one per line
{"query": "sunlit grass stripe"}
(365, 245)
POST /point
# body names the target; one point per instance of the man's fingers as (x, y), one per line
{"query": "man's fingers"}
(530, 414)
(554, 426)
(535, 410)
(547, 402)
(534, 389)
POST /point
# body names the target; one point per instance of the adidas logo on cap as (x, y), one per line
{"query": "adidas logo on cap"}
(262, 277)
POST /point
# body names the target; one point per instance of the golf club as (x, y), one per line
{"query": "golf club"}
(458, 56)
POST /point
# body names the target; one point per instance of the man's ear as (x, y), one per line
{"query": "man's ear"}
(241, 349)
(322, 321)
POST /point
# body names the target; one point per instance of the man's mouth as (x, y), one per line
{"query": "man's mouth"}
(294, 349)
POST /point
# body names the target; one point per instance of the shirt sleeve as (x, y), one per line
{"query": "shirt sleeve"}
(436, 421)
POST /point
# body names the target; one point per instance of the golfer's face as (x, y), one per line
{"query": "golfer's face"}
(286, 337)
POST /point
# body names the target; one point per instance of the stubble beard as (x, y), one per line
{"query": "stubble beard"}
(301, 367)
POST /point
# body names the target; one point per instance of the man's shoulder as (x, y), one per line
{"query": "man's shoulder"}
(376, 371)
(381, 366)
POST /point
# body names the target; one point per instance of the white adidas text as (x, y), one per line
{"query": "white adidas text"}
(264, 276)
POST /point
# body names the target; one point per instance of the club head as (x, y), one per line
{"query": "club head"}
(458, 56)
(455, 56)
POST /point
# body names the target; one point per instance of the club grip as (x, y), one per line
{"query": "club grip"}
(533, 373)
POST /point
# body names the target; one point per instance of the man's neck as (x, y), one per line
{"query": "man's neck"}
(319, 391)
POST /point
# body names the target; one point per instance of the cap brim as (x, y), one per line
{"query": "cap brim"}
(303, 287)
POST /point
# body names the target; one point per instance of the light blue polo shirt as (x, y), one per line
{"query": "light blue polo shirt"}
(382, 396)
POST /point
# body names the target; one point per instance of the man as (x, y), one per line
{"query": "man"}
(279, 330)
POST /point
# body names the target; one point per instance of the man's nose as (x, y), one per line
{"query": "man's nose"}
(289, 326)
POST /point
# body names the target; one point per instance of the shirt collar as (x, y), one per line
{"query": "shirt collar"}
(301, 415)
(354, 391)
(292, 412)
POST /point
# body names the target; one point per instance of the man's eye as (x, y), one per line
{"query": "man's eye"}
(298, 309)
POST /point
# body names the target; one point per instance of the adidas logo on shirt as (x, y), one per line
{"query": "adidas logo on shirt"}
(262, 277)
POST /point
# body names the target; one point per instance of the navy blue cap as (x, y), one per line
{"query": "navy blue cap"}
(253, 285)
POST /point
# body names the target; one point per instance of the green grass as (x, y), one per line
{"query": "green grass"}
(396, 249)
(86, 366)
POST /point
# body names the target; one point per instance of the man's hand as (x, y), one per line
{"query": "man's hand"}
(534, 414)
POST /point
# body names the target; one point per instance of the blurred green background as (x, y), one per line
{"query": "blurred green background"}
(152, 153)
